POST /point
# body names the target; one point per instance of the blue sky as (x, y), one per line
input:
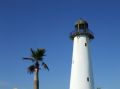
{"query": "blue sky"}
(26, 24)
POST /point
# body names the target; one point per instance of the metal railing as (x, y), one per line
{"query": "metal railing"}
(81, 32)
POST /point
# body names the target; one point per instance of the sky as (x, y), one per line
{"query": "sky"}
(26, 24)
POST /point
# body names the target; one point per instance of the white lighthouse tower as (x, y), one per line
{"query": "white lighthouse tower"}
(81, 71)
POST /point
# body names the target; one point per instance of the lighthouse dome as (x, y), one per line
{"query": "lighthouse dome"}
(81, 24)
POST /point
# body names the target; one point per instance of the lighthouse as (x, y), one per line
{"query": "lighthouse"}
(81, 70)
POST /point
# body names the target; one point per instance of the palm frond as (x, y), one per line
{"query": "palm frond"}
(38, 54)
(31, 69)
(28, 58)
(36, 57)
(33, 53)
(45, 66)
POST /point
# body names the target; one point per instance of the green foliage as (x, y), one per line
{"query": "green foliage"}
(36, 58)
(45, 66)
(38, 54)
(31, 69)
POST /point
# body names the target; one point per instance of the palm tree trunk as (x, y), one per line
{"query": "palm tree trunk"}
(36, 79)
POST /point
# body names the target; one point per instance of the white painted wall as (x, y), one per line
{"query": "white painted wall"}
(81, 65)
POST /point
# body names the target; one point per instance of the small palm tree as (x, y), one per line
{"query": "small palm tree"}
(37, 59)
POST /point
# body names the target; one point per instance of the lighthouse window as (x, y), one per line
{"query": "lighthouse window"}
(88, 79)
(85, 44)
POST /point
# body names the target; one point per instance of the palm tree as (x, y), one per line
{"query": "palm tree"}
(37, 59)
